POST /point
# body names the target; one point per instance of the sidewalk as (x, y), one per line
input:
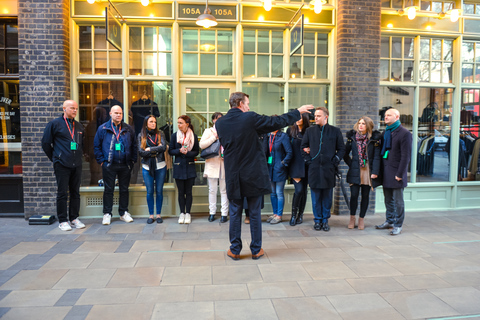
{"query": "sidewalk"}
(171, 271)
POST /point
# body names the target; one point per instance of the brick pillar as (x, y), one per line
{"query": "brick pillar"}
(44, 62)
(358, 69)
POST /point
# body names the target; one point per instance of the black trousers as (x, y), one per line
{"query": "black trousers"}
(354, 193)
(111, 172)
(68, 180)
(185, 197)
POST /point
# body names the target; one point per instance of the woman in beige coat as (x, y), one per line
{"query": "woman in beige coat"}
(215, 173)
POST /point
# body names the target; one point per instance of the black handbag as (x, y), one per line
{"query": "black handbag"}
(211, 151)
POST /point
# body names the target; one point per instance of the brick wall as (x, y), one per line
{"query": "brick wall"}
(44, 62)
(357, 74)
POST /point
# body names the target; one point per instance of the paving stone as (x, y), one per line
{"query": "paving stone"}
(221, 292)
(372, 285)
(456, 264)
(143, 236)
(204, 258)
(364, 253)
(64, 247)
(3, 311)
(136, 277)
(184, 310)
(34, 279)
(235, 274)
(461, 279)
(50, 313)
(186, 245)
(115, 260)
(31, 262)
(152, 295)
(245, 309)
(7, 261)
(38, 248)
(70, 261)
(325, 287)
(6, 275)
(108, 296)
(305, 308)
(422, 281)
(85, 278)
(32, 298)
(4, 293)
(287, 255)
(464, 300)
(159, 259)
(372, 268)
(98, 247)
(124, 312)
(338, 242)
(125, 246)
(274, 290)
(78, 313)
(328, 270)
(126, 228)
(151, 246)
(401, 251)
(187, 275)
(70, 297)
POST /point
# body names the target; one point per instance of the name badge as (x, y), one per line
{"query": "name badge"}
(73, 145)
(270, 160)
(118, 147)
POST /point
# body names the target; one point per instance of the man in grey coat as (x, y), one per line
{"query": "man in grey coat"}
(396, 154)
(246, 170)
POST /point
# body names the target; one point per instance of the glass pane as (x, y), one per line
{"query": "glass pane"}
(385, 47)
(190, 63)
(85, 62)
(85, 37)
(468, 169)
(467, 51)
(263, 66)
(408, 71)
(447, 72)
(309, 67)
(477, 74)
(265, 98)
(100, 62)
(207, 64)
(207, 40)
(100, 38)
(115, 62)
(436, 72)
(149, 64)
(396, 70)
(2, 64)
(249, 41)
(196, 100)
(200, 123)
(477, 51)
(300, 94)
(478, 9)
(437, 7)
(396, 47)
(135, 38)
(447, 50)
(295, 67)
(425, 5)
(384, 73)
(225, 64)
(263, 42)
(165, 64)
(12, 36)
(248, 65)
(218, 100)
(322, 43)
(467, 73)
(149, 38)
(397, 3)
(425, 49)
(190, 40)
(409, 48)
(277, 66)
(468, 8)
(135, 63)
(424, 71)
(2, 38)
(436, 49)
(309, 43)
(447, 6)
(277, 42)
(164, 39)
(385, 3)
(12, 61)
(433, 133)
(225, 41)
(322, 68)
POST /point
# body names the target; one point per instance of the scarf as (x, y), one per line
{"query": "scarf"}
(152, 161)
(387, 138)
(362, 140)
(186, 139)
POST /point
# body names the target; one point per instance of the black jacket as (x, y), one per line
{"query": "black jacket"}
(156, 152)
(56, 142)
(297, 167)
(373, 157)
(246, 170)
(398, 159)
(184, 164)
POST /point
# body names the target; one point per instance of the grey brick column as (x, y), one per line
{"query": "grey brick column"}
(357, 74)
(44, 62)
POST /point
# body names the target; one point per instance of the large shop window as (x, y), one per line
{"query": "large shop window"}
(397, 61)
(469, 149)
(97, 56)
(266, 98)
(150, 51)
(8, 47)
(263, 54)
(471, 62)
(10, 139)
(311, 62)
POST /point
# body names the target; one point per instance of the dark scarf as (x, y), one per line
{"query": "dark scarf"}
(152, 161)
(362, 140)
(387, 138)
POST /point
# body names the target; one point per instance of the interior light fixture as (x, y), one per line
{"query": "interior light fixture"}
(206, 19)
(455, 14)
(410, 11)
(91, 1)
(317, 5)
(267, 4)
(145, 2)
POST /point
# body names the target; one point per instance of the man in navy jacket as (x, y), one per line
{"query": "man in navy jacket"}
(115, 148)
(62, 142)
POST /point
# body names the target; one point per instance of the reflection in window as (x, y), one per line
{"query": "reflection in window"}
(10, 137)
(396, 62)
(436, 60)
(311, 61)
(300, 94)
(8, 47)
(471, 62)
(263, 54)
(469, 149)
(265, 98)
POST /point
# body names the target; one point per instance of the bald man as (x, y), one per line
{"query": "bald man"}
(62, 142)
(115, 148)
(396, 154)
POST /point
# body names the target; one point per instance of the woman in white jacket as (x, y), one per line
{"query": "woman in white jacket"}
(215, 173)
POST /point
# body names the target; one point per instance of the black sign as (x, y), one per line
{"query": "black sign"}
(189, 11)
(114, 29)
(296, 36)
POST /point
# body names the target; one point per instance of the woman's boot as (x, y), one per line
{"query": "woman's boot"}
(361, 224)
(293, 219)
(351, 224)
(301, 207)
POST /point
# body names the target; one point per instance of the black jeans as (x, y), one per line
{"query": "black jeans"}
(354, 193)
(185, 197)
(121, 171)
(235, 230)
(68, 179)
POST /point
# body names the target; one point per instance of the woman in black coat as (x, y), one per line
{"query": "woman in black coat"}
(184, 146)
(298, 170)
(364, 166)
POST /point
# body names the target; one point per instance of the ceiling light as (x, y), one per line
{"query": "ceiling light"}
(145, 2)
(455, 14)
(267, 5)
(411, 12)
(91, 1)
(206, 19)
(317, 5)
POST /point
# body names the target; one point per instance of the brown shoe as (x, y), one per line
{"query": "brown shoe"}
(351, 223)
(361, 223)
(233, 256)
(258, 255)
(247, 220)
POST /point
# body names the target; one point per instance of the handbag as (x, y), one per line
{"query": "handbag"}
(211, 151)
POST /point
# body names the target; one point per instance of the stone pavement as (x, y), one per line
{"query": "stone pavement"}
(171, 271)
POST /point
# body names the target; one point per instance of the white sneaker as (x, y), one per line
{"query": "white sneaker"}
(107, 218)
(126, 217)
(181, 218)
(77, 224)
(188, 218)
(65, 226)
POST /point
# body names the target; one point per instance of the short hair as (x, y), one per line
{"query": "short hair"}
(236, 98)
(325, 110)
(216, 115)
(369, 124)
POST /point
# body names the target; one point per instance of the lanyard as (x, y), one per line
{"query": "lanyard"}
(272, 140)
(72, 133)
(119, 129)
(154, 142)
(183, 142)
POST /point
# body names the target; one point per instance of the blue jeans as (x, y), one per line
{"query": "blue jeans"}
(158, 181)
(235, 231)
(321, 203)
(277, 197)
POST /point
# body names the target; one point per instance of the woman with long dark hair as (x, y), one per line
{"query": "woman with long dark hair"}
(298, 170)
(151, 147)
(184, 146)
(364, 166)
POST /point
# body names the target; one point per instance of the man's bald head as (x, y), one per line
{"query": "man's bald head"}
(70, 109)
(117, 114)
(391, 116)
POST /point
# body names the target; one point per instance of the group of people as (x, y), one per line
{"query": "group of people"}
(254, 158)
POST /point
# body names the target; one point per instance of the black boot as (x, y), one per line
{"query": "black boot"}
(301, 207)
(293, 219)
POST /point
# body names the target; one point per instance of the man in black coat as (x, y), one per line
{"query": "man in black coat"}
(396, 154)
(246, 170)
(62, 142)
(322, 147)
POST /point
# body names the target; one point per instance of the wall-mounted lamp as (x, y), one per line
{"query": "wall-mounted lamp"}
(410, 11)
(91, 1)
(145, 2)
(454, 14)
(206, 19)
(267, 4)
(317, 5)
